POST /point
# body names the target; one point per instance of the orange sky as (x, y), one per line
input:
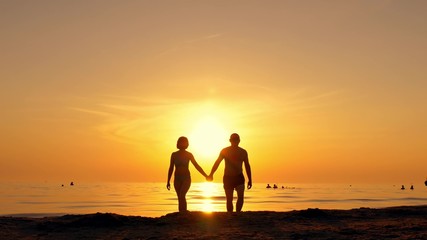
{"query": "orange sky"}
(319, 91)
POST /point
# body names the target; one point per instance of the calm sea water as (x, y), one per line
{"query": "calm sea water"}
(153, 199)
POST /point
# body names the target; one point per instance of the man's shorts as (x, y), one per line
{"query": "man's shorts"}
(231, 182)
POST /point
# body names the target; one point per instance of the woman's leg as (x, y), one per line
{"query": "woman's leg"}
(181, 189)
(178, 185)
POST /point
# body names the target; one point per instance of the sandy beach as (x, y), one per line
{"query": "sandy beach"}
(364, 223)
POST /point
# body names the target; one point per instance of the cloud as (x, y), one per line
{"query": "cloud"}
(185, 44)
(90, 111)
(208, 37)
(134, 120)
(131, 120)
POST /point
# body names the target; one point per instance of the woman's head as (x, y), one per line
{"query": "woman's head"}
(182, 143)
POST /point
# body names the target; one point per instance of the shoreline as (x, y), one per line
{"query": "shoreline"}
(402, 222)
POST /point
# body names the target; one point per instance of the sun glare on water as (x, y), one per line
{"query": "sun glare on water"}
(209, 191)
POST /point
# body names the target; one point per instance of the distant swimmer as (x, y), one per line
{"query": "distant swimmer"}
(72, 184)
(403, 187)
(268, 185)
(283, 187)
(425, 183)
(412, 187)
(274, 186)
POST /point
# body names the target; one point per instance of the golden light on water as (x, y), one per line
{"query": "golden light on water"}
(209, 190)
(208, 206)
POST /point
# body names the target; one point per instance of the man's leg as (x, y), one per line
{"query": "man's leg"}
(240, 196)
(229, 197)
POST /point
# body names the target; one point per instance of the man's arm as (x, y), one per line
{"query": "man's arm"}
(216, 165)
(248, 172)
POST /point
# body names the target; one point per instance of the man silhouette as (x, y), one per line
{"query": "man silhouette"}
(233, 179)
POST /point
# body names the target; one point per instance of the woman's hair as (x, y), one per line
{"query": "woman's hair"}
(182, 143)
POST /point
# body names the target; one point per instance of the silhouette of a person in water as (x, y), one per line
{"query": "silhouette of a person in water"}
(233, 179)
(182, 178)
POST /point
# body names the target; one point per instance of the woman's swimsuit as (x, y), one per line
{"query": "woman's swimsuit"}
(182, 178)
(182, 162)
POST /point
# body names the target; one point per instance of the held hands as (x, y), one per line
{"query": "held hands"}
(209, 178)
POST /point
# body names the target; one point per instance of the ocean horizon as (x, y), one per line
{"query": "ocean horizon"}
(154, 200)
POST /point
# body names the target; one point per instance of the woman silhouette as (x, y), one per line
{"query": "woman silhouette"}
(182, 178)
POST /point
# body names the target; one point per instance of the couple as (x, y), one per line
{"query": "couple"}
(234, 157)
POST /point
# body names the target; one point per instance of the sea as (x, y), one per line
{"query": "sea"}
(154, 200)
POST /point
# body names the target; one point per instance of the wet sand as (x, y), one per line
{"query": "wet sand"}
(364, 223)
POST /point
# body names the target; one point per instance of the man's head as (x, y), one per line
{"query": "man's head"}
(234, 139)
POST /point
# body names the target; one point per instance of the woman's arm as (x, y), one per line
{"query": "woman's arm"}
(197, 166)
(171, 165)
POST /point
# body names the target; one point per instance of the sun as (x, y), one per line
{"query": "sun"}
(207, 138)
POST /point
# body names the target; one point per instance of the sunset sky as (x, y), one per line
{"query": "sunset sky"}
(319, 91)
